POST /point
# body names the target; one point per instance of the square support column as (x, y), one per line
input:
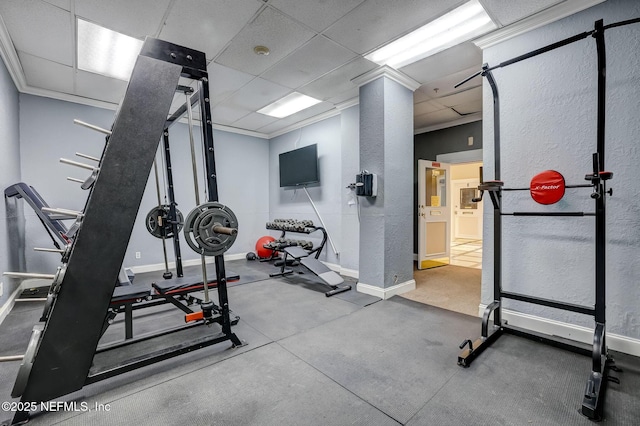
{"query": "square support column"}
(386, 149)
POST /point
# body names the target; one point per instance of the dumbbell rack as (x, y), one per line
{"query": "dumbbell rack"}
(62, 348)
(299, 227)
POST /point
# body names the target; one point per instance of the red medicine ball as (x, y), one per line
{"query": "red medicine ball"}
(262, 252)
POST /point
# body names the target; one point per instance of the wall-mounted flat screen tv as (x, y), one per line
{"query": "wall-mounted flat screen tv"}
(299, 167)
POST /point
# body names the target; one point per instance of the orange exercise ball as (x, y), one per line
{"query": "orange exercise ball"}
(262, 252)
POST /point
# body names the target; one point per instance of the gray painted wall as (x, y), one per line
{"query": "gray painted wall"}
(548, 121)
(11, 222)
(289, 203)
(350, 238)
(48, 133)
(427, 146)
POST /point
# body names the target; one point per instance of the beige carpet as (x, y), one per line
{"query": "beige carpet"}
(450, 287)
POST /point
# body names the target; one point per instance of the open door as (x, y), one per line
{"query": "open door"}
(434, 214)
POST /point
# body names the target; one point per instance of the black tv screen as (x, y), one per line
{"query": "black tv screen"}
(299, 167)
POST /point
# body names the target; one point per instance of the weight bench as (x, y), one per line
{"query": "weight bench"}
(139, 296)
(329, 277)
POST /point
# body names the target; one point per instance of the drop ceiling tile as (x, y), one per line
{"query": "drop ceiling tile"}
(224, 81)
(40, 29)
(469, 107)
(316, 14)
(254, 121)
(256, 94)
(207, 25)
(508, 12)
(345, 96)
(46, 74)
(63, 4)
(138, 18)
(297, 117)
(427, 107)
(446, 85)
(376, 22)
(338, 81)
(227, 114)
(463, 97)
(437, 117)
(96, 86)
(447, 62)
(280, 34)
(318, 56)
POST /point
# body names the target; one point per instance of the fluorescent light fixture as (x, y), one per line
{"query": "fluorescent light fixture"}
(461, 24)
(106, 52)
(288, 105)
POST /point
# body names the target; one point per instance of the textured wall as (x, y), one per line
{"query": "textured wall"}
(350, 151)
(11, 222)
(290, 203)
(386, 146)
(548, 113)
(48, 133)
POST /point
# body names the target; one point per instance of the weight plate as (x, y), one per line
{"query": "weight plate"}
(27, 361)
(158, 224)
(201, 229)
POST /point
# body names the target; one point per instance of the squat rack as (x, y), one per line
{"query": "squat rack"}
(601, 361)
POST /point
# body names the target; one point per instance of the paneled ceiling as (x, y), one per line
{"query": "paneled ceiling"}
(317, 48)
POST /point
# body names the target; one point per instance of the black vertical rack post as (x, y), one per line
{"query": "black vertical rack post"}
(173, 216)
(601, 362)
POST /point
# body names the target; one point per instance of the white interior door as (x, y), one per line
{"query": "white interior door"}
(467, 215)
(434, 214)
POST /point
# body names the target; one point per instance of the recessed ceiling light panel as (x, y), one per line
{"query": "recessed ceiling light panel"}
(461, 24)
(288, 105)
(106, 52)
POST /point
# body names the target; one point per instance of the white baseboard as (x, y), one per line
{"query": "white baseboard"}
(565, 330)
(342, 271)
(11, 301)
(386, 293)
(189, 262)
(353, 273)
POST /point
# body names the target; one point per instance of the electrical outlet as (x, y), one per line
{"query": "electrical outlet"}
(137, 255)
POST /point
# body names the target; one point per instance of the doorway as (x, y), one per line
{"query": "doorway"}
(454, 284)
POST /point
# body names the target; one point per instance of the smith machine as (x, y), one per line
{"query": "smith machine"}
(547, 188)
(60, 355)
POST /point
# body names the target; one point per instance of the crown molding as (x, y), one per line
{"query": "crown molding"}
(323, 116)
(240, 131)
(10, 58)
(348, 104)
(547, 16)
(390, 73)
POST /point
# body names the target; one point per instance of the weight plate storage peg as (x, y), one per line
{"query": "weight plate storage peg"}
(158, 224)
(211, 229)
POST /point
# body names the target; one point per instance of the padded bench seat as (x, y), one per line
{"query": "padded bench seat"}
(187, 284)
(130, 292)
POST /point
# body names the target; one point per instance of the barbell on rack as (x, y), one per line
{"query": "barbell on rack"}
(158, 223)
(211, 229)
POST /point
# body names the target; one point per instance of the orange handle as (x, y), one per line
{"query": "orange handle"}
(194, 316)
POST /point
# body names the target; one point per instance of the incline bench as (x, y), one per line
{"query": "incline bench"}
(295, 252)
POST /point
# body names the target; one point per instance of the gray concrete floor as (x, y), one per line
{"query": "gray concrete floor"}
(348, 359)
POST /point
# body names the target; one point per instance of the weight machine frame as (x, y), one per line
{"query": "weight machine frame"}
(601, 361)
(64, 346)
